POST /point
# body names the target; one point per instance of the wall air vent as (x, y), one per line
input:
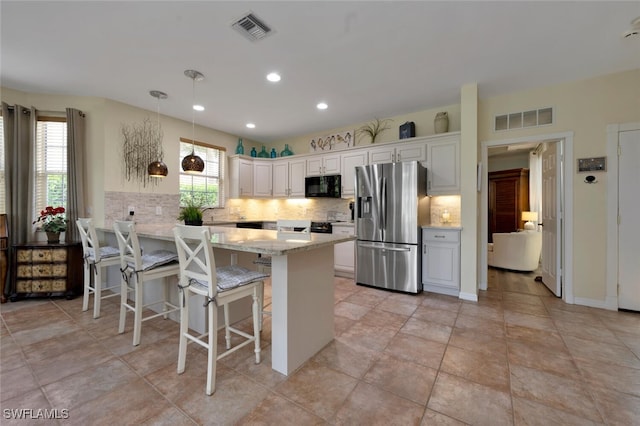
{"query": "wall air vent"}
(252, 27)
(520, 120)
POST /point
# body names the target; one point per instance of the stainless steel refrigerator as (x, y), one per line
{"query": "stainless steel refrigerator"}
(391, 206)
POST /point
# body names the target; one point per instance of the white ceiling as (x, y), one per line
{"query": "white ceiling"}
(365, 59)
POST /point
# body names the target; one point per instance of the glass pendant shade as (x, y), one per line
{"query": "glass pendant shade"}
(158, 169)
(192, 164)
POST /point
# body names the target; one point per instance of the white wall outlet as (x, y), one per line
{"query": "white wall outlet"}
(158, 210)
(131, 209)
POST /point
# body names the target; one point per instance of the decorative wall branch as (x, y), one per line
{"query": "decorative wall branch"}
(142, 144)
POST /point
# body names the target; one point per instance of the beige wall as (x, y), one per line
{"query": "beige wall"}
(423, 121)
(584, 107)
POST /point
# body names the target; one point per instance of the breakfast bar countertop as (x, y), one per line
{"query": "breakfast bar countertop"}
(248, 240)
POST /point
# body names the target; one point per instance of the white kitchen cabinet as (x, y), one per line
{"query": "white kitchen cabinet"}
(400, 152)
(262, 178)
(323, 164)
(349, 161)
(288, 178)
(443, 167)
(441, 261)
(240, 177)
(344, 253)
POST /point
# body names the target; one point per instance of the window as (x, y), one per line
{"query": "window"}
(50, 163)
(207, 187)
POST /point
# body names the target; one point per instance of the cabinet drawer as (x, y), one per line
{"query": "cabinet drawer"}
(58, 285)
(59, 270)
(24, 271)
(40, 286)
(59, 255)
(23, 286)
(42, 255)
(343, 230)
(42, 270)
(442, 236)
(23, 256)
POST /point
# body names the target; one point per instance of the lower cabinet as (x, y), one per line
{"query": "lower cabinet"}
(441, 261)
(344, 253)
(41, 269)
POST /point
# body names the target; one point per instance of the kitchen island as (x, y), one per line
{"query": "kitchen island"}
(301, 281)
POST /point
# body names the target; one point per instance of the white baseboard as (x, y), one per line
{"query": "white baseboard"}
(592, 303)
(472, 297)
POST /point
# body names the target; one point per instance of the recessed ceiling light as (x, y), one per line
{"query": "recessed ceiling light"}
(251, 125)
(273, 77)
(322, 105)
(198, 107)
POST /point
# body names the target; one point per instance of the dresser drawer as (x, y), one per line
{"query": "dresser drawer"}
(42, 255)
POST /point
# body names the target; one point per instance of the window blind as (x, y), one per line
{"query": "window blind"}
(3, 194)
(50, 165)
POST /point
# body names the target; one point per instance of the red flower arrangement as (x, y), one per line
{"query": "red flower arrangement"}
(53, 219)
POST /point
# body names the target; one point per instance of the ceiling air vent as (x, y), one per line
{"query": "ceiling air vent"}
(519, 120)
(252, 27)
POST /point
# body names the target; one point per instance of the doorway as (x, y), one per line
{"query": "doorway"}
(565, 243)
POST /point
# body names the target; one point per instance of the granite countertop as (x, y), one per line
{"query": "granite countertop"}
(452, 227)
(247, 240)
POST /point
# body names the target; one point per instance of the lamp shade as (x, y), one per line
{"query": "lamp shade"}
(158, 169)
(192, 164)
(530, 216)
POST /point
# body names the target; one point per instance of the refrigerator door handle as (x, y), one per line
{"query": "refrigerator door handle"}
(375, 247)
(383, 204)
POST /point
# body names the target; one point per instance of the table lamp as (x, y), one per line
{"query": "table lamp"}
(529, 218)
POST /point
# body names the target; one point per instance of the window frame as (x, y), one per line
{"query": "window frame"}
(41, 171)
(220, 176)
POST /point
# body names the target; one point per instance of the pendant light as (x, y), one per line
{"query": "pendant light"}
(192, 163)
(158, 168)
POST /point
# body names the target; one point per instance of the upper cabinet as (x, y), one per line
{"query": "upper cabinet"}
(398, 152)
(323, 164)
(349, 161)
(241, 177)
(262, 178)
(288, 178)
(443, 167)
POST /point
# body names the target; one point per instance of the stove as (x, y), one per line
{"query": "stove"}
(321, 227)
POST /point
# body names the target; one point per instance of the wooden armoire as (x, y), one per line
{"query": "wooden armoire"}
(508, 198)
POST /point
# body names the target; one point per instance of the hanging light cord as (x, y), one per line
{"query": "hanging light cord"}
(193, 118)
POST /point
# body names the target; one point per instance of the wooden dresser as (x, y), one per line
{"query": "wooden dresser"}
(43, 270)
(508, 198)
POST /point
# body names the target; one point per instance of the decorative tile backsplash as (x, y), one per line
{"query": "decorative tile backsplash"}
(146, 206)
(445, 210)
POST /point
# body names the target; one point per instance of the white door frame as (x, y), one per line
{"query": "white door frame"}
(611, 301)
(567, 201)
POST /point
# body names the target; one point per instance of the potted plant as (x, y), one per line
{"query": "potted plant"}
(374, 128)
(53, 222)
(191, 213)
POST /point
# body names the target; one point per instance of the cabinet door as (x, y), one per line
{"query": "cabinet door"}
(314, 166)
(441, 261)
(382, 155)
(281, 178)
(443, 168)
(297, 172)
(344, 253)
(262, 179)
(349, 163)
(241, 177)
(331, 164)
(411, 152)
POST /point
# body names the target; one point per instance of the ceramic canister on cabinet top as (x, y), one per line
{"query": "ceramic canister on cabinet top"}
(441, 122)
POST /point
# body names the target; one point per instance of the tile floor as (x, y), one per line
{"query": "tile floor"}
(518, 356)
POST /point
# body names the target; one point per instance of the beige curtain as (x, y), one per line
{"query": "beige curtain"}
(75, 172)
(19, 142)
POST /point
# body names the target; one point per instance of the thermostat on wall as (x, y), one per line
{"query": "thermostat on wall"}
(598, 164)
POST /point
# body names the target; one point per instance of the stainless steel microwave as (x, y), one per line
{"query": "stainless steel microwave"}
(322, 186)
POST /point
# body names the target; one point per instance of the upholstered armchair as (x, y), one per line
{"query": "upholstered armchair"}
(518, 251)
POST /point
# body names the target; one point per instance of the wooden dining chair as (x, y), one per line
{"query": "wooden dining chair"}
(96, 257)
(139, 268)
(219, 287)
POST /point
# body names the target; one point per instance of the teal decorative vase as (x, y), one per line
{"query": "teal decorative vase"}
(263, 153)
(273, 153)
(253, 152)
(286, 151)
(239, 148)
